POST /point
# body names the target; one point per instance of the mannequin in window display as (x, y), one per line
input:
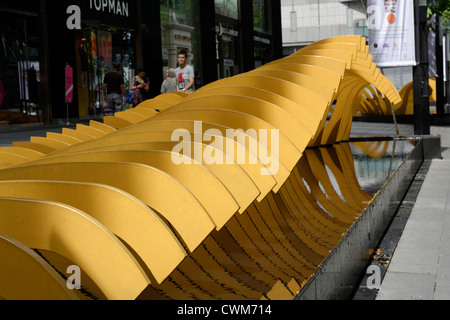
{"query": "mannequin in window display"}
(84, 64)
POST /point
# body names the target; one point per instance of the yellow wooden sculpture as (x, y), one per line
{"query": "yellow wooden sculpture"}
(194, 196)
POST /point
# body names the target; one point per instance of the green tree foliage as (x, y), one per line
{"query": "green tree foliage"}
(440, 8)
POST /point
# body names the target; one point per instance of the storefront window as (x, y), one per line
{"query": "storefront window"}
(261, 22)
(97, 50)
(179, 31)
(227, 8)
(262, 37)
(19, 62)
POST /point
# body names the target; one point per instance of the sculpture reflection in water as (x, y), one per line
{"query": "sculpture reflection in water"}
(275, 246)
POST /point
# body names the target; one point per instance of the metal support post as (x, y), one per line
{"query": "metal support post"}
(421, 73)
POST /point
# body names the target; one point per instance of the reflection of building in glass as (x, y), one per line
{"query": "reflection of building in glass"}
(19, 59)
(227, 8)
(176, 32)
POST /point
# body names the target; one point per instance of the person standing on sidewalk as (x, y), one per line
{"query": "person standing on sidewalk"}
(113, 86)
(184, 74)
(140, 86)
(170, 84)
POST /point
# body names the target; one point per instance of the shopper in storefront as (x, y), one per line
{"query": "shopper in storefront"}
(170, 84)
(185, 74)
(113, 85)
(140, 86)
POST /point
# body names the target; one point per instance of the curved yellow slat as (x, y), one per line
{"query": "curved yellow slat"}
(346, 126)
(271, 113)
(122, 214)
(288, 153)
(373, 149)
(41, 148)
(249, 147)
(70, 232)
(358, 40)
(233, 176)
(323, 230)
(303, 116)
(63, 138)
(25, 152)
(168, 99)
(157, 105)
(211, 193)
(316, 85)
(349, 94)
(151, 186)
(330, 64)
(347, 185)
(53, 143)
(77, 134)
(96, 133)
(404, 106)
(147, 113)
(345, 56)
(350, 47)
(327, 194)
(12, 158)
(131, 116)
(264, 182)
(4, 164)
(180, 94)
(24, 275)
(307, 98)
(117, 123)
(362, 62)
(102, 127)
(360, 58)
(344, 155)
(331, 77)
(342, 115)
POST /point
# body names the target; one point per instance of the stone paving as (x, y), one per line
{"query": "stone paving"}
(420, 266)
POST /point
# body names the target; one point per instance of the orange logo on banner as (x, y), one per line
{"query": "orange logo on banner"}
(391, 18)
(391, 8)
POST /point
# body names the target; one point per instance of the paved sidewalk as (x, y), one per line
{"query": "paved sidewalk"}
(420, 266)
(10, 134)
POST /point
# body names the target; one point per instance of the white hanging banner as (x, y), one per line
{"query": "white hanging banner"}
(391, 32)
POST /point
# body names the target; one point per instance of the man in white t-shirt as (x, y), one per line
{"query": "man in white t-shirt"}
(184, 74)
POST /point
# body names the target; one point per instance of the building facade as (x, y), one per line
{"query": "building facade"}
(39, 39)
(307, 21)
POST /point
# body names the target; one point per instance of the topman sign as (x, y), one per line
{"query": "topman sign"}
(115, 7)
(117, 13)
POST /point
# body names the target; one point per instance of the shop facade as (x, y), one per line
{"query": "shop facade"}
(107, 33)
(20, 55)
(222, 37)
